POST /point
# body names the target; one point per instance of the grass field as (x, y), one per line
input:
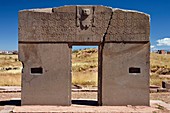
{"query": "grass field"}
(10, 70)
(10, 79)
(84, 68)
(160, 65)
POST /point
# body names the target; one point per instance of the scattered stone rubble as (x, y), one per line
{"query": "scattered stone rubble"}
(165, 87)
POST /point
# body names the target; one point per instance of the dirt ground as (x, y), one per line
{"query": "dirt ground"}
(8, 96)
(86, 95)
(90, 95)
(164, 96)
(75, 95)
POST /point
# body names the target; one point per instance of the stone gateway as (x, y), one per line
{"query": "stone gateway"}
(46, 37)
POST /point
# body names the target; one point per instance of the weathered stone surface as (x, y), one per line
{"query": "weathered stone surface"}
(41, 26)
(61, 25)
(119, 87)
(152, 90)
(53, 86)
(166, 84)
(128, 26)
(45, 40)
(162, 90)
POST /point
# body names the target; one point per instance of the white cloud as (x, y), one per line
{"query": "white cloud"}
(152, 46)
(163, 42)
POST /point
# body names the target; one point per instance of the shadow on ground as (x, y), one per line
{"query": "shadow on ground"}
(77, 102)
(85, 102)
(11, 102)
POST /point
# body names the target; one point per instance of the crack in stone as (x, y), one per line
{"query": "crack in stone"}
(104, 36)
(101, 60)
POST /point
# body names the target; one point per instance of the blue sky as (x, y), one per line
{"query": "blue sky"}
(159, 11)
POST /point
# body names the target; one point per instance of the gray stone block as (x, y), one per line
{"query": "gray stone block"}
(46, 37)
(162, 90)
(166, 84)
(130, 26)
(119, 86)
(64, 24)
(53, 85)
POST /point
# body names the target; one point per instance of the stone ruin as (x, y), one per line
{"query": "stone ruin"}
(46, 37)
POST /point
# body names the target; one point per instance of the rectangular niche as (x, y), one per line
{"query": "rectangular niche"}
(38, 70)
(134, 70)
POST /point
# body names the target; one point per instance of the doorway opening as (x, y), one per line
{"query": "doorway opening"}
(85, 75)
